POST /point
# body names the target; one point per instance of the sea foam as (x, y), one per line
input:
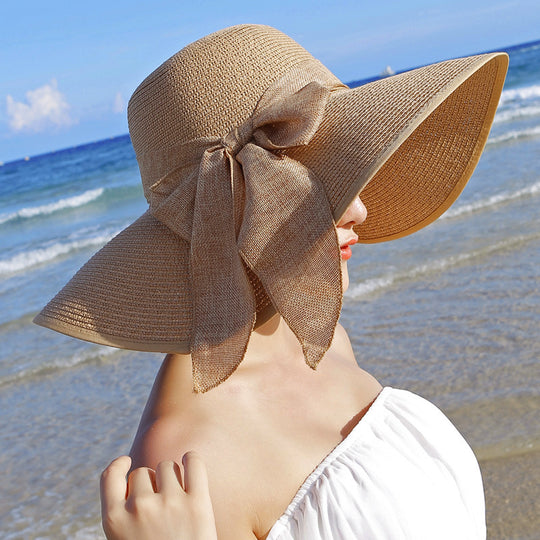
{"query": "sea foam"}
(45, 209)
(96, 353)
(494, 200)
(517, 113)
(28, 259)
(364, 289)
(524, 93)
(514, 135)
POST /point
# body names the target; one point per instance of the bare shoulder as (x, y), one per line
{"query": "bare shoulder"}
(168, 437)
(342, 353)
(342, 344)
(161, 438)
(177, 420)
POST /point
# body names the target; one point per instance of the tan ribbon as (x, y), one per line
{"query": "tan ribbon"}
(246, 203)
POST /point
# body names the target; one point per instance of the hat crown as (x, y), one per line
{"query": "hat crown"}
(210, 86)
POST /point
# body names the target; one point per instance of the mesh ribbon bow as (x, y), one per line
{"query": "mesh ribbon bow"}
(240, 201)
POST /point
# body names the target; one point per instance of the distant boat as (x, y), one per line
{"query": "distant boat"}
(387, 71)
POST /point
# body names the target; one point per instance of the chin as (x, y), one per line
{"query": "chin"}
(344, 276)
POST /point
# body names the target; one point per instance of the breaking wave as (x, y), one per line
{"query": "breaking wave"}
(494, 200)
(97, 353)
(379, 284)
(514, 135)
(522, 94)
(515, 113)
(45, 209)
(28, 259)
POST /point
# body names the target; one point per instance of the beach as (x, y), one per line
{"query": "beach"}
(451, 313)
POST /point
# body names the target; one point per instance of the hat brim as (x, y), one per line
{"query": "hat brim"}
(134, 293)
(131, 294)
(408, 143)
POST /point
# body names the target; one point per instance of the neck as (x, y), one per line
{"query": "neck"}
(270, 345)
(271, 342)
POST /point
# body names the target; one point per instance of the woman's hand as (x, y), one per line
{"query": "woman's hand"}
(157, 504)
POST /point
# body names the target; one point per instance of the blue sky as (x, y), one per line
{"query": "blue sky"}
(68, 68)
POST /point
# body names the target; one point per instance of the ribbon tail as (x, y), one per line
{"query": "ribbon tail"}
(223, 301)
(289, 240)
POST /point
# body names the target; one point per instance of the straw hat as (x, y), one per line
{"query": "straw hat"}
(249, 149)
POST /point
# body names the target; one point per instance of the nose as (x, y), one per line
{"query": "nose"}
(355, 214)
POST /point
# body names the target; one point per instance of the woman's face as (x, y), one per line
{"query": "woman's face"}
(355, 214)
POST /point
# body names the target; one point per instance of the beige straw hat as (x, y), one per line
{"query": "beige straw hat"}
(249, 149)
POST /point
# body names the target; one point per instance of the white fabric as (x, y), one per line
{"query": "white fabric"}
(404, 472)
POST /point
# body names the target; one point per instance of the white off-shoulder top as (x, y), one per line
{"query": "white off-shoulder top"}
(403, 472)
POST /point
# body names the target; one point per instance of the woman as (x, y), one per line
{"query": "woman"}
(252, 156)
(244, 455)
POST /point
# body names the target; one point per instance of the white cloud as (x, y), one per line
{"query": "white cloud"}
(119, 105)
(46, 106)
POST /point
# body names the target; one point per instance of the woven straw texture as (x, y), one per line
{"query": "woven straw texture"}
(249, 148)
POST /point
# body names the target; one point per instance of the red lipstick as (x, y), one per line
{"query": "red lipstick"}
(346, 252)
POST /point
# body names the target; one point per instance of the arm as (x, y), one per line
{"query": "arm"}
(157, 504)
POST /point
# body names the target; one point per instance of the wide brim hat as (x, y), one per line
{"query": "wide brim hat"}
(249, 151)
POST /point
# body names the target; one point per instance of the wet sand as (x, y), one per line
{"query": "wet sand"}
(512, 486)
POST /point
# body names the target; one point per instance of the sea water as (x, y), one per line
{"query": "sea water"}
(451, 313)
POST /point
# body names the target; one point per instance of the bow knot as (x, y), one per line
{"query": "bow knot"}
(244, 209)
(238, 137)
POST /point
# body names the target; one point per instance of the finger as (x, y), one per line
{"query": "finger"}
(141, 481)
(195, 475)
(169, 478)
(113, 484)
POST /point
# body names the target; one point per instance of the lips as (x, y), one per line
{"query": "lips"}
(345, 248)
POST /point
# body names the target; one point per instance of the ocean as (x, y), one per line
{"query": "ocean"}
(451, 313)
